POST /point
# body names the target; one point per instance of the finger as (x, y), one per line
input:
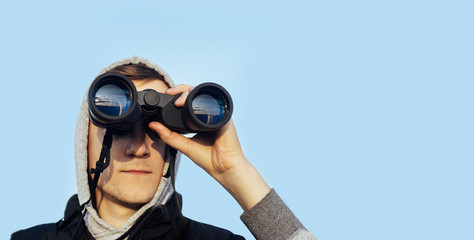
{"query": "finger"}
(182, 99)
(173, 139)
(177, 89)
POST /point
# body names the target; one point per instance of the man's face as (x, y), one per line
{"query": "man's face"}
(137, 160)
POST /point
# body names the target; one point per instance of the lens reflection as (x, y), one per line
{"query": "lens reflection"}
(112, 100)
(208, 109)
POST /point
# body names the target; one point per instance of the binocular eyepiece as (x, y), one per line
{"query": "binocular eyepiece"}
(114, 102)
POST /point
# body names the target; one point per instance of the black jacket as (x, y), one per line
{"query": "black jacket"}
(163, 222)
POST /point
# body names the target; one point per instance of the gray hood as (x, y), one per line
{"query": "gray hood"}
(98, 227)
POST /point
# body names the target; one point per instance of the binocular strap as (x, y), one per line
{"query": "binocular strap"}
(104, 160)
(101, 165)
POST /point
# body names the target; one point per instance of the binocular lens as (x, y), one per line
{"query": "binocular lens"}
(208, 109)
(112, 100)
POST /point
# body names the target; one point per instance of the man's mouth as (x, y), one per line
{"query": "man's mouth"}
(136, 172)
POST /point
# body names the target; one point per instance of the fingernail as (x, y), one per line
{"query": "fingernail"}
(155, 125)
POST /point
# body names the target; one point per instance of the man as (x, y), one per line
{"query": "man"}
(135, 197)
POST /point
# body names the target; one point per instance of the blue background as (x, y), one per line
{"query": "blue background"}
(359, 113)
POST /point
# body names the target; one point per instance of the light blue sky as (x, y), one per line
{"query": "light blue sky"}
(359, 113)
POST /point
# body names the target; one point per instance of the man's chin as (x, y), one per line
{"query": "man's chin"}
(130, 196)
(135, 201)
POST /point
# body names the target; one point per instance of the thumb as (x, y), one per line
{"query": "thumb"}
(173, 139)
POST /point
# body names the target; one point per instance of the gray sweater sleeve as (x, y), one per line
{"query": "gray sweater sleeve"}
(272, 219)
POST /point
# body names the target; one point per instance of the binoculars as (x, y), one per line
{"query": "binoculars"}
(114, 102)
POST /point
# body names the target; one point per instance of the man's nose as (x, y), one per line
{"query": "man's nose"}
(137, 146)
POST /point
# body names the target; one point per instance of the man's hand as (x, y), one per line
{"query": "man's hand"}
(219, 153)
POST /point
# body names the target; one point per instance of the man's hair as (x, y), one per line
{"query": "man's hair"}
(137, 72)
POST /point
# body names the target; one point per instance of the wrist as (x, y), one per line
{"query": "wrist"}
(245, 184)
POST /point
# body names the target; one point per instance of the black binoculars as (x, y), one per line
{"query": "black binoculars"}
(114, 102)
